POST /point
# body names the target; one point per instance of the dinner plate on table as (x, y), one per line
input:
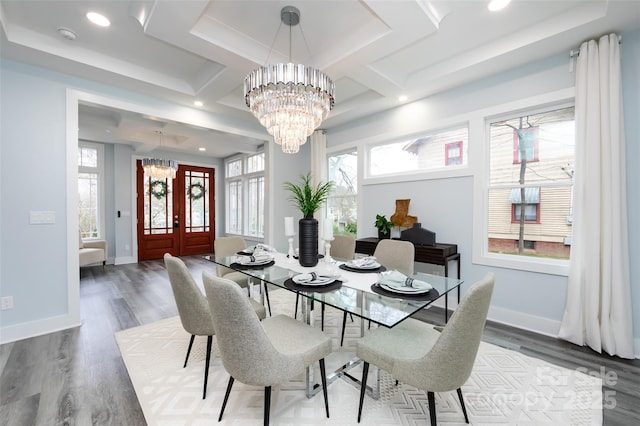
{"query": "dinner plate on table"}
(346, 267)
(319, 280)
(405, 290)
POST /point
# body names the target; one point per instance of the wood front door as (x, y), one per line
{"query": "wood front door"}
(175, 216)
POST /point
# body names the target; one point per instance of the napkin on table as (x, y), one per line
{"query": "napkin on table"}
(396, 279)
(364, 262)
(255, 258)
(313, 276)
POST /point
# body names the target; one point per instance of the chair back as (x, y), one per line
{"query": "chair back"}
(227, 246)
(396, 254)
(193, 308)
(343, 247)
(449, 363)
(245, 349)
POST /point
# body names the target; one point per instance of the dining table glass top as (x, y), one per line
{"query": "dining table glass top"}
(356, 293)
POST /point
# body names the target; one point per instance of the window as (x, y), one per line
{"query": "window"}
(531, 163)
(453, 153)
(342, 202)
(90, 190)
(422, 153)
(245, 195)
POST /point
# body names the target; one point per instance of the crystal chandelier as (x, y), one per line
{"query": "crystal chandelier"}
(290, 100)
(160, 168)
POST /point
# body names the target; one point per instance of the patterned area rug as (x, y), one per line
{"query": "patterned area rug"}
(505, 387)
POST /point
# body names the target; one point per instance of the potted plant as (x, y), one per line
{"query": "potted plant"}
(308, 200)
(384, 226)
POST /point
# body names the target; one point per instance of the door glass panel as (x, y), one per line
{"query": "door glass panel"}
(196, 201)
(158, 206)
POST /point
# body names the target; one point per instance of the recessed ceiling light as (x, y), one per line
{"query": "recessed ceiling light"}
(402, 98)
(98, 19)
(198, 103)
(202, 149)
(495, 5)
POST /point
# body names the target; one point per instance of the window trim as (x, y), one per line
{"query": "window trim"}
(479, 131)
(100, 170)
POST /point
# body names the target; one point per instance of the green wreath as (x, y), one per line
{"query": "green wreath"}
(158, 188)
(199, 191)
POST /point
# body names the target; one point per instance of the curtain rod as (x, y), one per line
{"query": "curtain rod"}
(575, 52)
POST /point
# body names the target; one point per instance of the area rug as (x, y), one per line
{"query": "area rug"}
(505, 386)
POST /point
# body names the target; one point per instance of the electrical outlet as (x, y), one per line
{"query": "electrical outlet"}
(7, 302)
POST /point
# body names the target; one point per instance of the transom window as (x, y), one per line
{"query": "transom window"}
(427, 152)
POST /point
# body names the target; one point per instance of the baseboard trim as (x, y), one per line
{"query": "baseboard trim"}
(41, 327)
(124, 260)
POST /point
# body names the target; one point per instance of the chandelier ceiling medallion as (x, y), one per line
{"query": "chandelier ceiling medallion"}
(160, 168)
(290, 100)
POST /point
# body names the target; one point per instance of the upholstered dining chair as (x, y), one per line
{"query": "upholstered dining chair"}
(265, 353)
(194, 311)
(392, 254)
(422, 356)
(229, 246)
(396, 254)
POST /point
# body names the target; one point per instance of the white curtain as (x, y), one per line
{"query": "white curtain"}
(598, 310)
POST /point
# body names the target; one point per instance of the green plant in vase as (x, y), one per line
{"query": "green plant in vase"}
(384, 226)
(308, 199)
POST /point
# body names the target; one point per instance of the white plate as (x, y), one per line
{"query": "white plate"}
(320, 280)
(370, 266)
(404, 290)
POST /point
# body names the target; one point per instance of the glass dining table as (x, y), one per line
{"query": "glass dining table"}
(354, 292)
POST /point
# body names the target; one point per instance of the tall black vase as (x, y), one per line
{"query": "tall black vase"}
(308, 241)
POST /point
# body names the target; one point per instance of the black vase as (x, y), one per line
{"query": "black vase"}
(308, 241)
(382, 236)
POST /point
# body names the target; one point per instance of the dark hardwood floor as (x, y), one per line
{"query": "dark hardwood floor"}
(77, 377)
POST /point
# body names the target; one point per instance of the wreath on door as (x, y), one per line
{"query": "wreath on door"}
(158, 188)
(196, 191)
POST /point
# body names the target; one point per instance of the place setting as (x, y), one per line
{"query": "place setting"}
(364, 265)
(314, 281)
(254, 261)
(394, 283)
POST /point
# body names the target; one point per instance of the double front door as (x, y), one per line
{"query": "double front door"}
(175, 216)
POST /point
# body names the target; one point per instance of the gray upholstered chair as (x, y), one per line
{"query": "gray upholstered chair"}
(343, 247)
(193, 308)
(419, 355)
(396, 254)
(228, 246)
(261, 353)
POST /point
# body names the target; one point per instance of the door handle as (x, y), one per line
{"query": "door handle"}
(176, 222)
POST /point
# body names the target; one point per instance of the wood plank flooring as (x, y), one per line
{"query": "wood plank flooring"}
(77, 377)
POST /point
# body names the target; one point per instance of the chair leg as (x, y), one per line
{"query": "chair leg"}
(323, 376)
(344, 325)
(295, 313)
(226, 397)
(189, 350)
(464, 410)
(267, 404)
(363, 387)
(206, 366)
(432, 407)
(322, 317)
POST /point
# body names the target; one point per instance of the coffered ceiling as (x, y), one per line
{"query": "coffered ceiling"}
(375, 51)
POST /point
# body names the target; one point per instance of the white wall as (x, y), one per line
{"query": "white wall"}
(36, 108)
(529, 300)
